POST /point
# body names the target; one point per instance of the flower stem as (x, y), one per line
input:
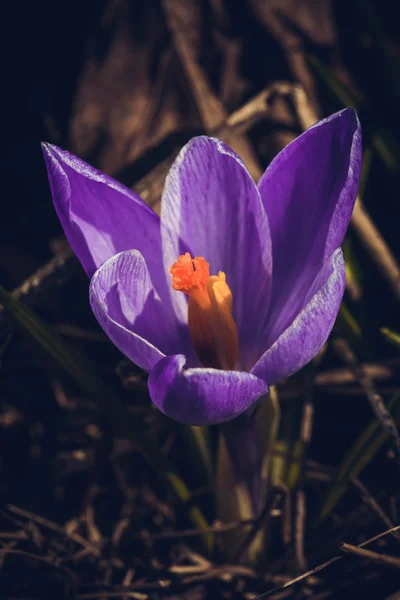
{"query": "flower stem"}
(242, 443)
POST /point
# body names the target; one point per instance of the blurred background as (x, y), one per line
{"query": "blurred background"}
(124, 85)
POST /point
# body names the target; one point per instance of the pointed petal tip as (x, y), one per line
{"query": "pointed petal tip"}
(54, 155)
(349, 110)
(49, 149)
(349, 114)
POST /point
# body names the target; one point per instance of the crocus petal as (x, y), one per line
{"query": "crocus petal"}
(308, 193)
(305, 336)
(102, 217)
(202, 396)
(211, 207)
(130, 312)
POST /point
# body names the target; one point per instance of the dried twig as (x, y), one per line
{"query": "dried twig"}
(48, 560)
(54, 527)
(381, 559)
(13, 535)
(53, 273)
(368, 498)
(340, 376)
(181, 17)
(344, 350)
(299, 530)
(323, 565)
(59, 265)
(150, 187)
(257, 107)
(376, 246)
(225, 572)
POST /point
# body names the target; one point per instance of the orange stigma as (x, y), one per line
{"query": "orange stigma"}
(211, 324)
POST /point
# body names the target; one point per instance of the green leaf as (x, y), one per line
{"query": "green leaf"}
(347, 96)
(200, 435)
(365, 171)
(357, 458)
(347, 323)
(85, 375)
(391, 336)
(267, 417)
(196, 441)
(353, 271)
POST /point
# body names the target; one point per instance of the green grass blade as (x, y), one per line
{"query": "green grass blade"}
(365, 171)
(200, 437)
(197, 444)
(353, 271)
(357, 458)
(348, 325)
(345, 95)
(391, 336)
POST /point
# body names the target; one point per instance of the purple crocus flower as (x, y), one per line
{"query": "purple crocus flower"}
(257, 270)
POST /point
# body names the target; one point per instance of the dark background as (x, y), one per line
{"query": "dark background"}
(104, 80)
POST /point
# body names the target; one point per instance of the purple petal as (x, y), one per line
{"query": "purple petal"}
(305, 336)
(211, 207)
(202, 396)
(130, 312)
(101, 217)
(308, 193)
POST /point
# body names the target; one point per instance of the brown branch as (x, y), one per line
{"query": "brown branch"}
(55, 272)
(375, 244)
(381, 559)
(221, 573)
(43, 559)
(13, 535)
(150, 187)
(323, 565)
(54, 527)
(181, 17)
(340, 376)
(299, 530)
(376, 401)
(368, 498)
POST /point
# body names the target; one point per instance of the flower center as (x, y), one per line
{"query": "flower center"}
(211, 325)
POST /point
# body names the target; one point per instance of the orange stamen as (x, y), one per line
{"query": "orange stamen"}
(211, 324)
